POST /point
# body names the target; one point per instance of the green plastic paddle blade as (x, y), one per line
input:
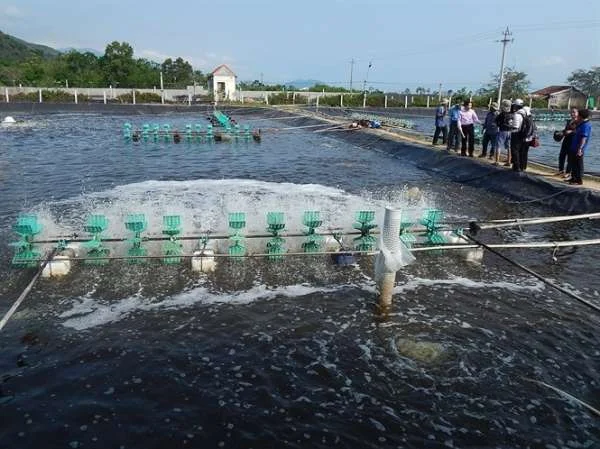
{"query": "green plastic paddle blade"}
(97, 256)
(137, 251)
(96, 224)
(171, 225)
(26, 259)
(136, 223)
(173, 250)
(27, 225)
(237, 220)
(312, 219)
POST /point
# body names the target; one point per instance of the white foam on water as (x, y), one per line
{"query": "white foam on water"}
(415, 282)
(87, 312)
(204, 205)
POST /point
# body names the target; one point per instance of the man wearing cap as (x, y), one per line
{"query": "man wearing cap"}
(504, 122)
(440, 122)
(490, 131)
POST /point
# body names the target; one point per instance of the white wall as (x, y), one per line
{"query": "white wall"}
(229, 85)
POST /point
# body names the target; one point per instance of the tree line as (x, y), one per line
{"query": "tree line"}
(117, 67)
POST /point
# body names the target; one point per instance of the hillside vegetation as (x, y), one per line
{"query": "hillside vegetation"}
(13, 49)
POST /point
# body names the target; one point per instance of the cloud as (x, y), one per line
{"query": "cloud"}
(13, 12)
(207, 62)
(154, 55)
(551, 60)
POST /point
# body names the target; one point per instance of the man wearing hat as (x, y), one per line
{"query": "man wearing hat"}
(490, 131)
(440, 122)
(504, 122)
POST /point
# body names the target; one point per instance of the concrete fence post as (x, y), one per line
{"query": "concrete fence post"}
(266, 98)
(6, 94)
(40, 95)
(385, 101)
(294, 98)
(341, 100)
(405, 101)
(364, 100)
(317, 104)
(189, 99)
(133, 96)
(75, 95)
(104, 96)
(427, 100)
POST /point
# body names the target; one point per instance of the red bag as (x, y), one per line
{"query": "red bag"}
(535, 142)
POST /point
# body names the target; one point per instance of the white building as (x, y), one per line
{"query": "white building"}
(221, 83)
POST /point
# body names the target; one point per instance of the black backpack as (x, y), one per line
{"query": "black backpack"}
(528, 127)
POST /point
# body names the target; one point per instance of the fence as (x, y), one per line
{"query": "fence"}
(195, 95)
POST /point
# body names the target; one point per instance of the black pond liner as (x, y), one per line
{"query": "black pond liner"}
(521, 187)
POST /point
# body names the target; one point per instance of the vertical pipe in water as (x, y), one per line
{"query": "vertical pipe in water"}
(390, 240)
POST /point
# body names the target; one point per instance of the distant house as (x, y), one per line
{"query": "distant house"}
(221, 83)
(561, 97)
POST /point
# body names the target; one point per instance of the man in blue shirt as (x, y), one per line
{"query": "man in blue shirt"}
(440, 122)
(580, 143)
(454, 131)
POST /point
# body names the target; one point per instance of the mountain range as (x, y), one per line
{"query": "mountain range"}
(13, 49)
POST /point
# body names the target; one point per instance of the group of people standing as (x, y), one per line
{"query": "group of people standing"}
(510, 126)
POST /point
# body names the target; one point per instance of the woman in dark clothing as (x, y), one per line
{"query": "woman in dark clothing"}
(567, 134)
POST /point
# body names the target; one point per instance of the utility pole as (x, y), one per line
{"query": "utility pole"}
(351, 70)
(440, 93)
(367, 77)
(365, 85)
(162, 89)
(504, 41)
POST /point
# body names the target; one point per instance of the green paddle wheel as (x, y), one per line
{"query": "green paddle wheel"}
(364, 223)
(275, 224)
(313, 242)
(407, 221)
(27, 227)
(96, 253)
(432, 221)
(172, 248)
(137, 224)
(237, 222)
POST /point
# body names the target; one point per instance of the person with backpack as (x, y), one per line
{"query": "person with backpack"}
(440, 122)
(504, 122)
(517, 136)
(529, 131)
(490, 131)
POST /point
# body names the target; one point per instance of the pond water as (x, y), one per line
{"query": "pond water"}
(289, 353)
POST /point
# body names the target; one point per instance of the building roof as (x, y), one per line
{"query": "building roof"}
(550, 90)
(223, 70)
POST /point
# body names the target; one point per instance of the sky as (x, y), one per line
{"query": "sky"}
(420, 43)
